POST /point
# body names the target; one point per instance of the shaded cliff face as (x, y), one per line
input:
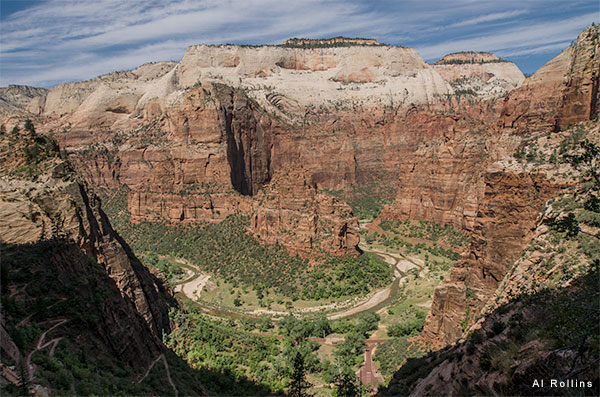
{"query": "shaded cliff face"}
(52, 228)
(248, 144)
(519, 343)
(503, 227)
(562, 93)
(538, 318)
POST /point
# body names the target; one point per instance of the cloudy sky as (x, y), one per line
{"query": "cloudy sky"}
(44, 43)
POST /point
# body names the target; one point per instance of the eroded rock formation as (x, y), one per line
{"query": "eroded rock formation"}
(291, 212)
(507, 216)
(190, 147)
(561, 93)
(43, 203)
(513, 200)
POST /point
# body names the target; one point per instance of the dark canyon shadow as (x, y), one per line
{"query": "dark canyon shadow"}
(548, 335)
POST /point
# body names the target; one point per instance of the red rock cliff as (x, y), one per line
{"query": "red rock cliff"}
(291, 212)
(49, 204)
(561, 93)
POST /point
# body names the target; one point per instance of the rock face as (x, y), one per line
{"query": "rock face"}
(479, 74)
(43, 202)
(512, 202)
(536, 319)
(503, 227)
(439, 183)
(563, 92)
(190, 148)
(291, 212)
(18, 99)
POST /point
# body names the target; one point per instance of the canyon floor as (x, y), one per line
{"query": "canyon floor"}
(263, 220)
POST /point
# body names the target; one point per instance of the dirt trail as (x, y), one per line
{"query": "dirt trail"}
(367, 374)
(41, 345)
(166, 364)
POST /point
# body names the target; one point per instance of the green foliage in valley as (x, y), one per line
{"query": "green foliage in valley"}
(394, 353)
(408, 328)
(366, 202)
(219, 348)
(426, 230)
(172, 270)
(228, 251)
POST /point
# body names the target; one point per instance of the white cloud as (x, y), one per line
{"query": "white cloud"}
(550, 48)
(534, 35)
(62, 40)
(487, 18)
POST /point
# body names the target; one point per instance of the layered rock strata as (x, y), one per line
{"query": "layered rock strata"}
(42, 201)
(291, 212)
(561, 93)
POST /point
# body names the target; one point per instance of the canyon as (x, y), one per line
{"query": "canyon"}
(197, 139)
(64, 265)
(269, 132)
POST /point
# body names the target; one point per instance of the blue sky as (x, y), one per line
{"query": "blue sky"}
(44, 43)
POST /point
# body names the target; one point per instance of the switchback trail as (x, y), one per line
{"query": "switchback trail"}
(41, 345)
(166, 364)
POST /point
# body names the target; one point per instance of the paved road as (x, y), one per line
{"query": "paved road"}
(367, 374)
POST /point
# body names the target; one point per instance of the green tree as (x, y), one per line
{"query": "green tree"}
(566, 224)
(29, 127)
(367, 321)
(346, 384)
(2, 129)
(592, 204)
(299, 385)
(587, 160)
(151, 259)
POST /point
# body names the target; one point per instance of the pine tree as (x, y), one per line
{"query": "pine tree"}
(24, 384)
(346, 384)
(29, 127)
(299, 385)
